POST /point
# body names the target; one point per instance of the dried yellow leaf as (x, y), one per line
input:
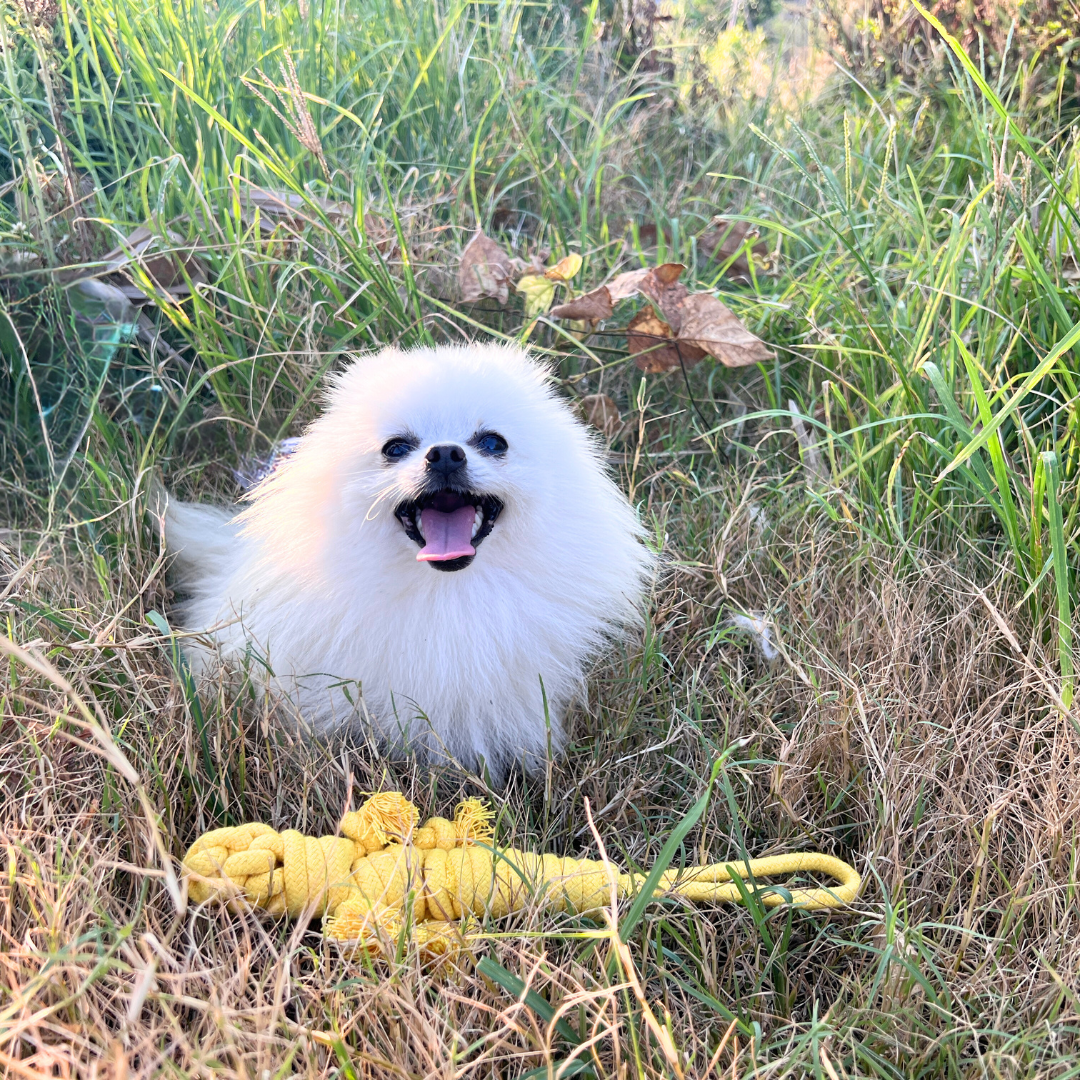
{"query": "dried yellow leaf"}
(564, 269)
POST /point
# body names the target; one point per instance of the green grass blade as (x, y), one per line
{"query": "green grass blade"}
(1044, 367)
(667, 853)
(1008, 514)
(1061, 575)
(514, 986)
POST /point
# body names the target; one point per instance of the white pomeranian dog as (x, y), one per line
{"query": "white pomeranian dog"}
(443, 549)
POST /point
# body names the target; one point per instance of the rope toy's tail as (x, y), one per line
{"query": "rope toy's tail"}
(386, 873)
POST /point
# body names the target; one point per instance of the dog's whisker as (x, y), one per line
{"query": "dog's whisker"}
(383, 496)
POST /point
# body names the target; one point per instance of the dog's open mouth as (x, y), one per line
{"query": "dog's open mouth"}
(448, 525)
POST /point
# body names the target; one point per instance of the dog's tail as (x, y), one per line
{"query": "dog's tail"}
(200, 540)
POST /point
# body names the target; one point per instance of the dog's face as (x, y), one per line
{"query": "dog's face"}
(454, 446)
(451, 514)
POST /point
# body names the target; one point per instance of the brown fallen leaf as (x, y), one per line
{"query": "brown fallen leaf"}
(649, 234)
(166, 269)
(485, 270)
(287, 203)
(600, 303)
(720, 241)
(653, 345)
(707, 324)
(726, 238)
(593, 305)
(627, 284)
(169, 270)
(697, 324)
(602, 413)
(663, 287)
(287, 209)
(668, 273)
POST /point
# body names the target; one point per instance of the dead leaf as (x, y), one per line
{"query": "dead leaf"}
(627, 284)
(593, 306)
(539, 291)
(565, 269)
(600, 303)
(286, 208)
(287, 203)
(602, 413)
(169, 270)
(485, 270)
(649, 234)
(653, 346)
(668, 273)
(709, 325)
(692, 326)
(663, 287)
(726, 238)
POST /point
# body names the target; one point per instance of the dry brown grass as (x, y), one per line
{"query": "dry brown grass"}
(899, 728)
(909, 721)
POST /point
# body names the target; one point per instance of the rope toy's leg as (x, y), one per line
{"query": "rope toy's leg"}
(715, 882)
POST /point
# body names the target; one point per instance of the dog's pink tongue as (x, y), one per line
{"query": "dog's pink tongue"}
(448, 536)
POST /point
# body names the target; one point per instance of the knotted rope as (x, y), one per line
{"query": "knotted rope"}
(384, 873)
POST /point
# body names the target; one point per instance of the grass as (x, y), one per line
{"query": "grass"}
(895, 497)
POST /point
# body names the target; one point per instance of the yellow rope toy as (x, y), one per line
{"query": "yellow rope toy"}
(365, 881)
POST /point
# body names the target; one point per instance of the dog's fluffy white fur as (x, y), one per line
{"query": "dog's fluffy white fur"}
(317, 588)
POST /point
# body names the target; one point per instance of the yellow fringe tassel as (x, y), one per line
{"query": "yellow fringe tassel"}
(385, 872)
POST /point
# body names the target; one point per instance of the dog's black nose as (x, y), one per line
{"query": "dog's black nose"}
(445, 459)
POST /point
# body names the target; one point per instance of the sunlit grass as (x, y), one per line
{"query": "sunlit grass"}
(895, 497)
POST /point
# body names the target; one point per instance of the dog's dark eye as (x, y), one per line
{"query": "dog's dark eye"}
(491, 443)
(396, 449)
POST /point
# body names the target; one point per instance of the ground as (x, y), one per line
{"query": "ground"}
(860, 609)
